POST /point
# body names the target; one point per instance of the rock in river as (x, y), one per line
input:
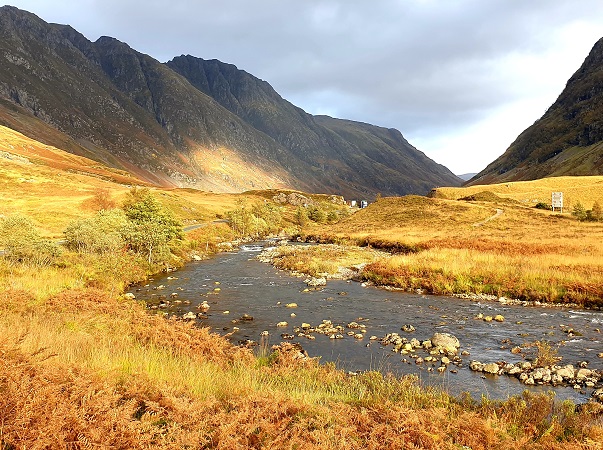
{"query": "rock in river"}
(446, 342)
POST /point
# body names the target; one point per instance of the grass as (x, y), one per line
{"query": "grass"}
(82, 367)
(447, 247)
(586, 189)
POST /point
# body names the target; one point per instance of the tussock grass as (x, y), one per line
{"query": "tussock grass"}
(445, 247)
(84, 369)
(585, 189)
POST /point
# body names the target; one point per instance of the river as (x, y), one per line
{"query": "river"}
(236, 283)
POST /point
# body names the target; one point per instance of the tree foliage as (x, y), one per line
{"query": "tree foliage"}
(256, 221)
(150, 228)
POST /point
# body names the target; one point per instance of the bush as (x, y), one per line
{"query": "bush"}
(542, 205)
(22, 242)
(301, 216)
(317, 214)
(100, 234)
(579, 212)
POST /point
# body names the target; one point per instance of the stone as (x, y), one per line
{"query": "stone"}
(583, 374)
(316, 282)
(488, 318)
(529, 381)
(282, 324)
(246, 318)
(491, 368)
(598, 395)
(129, 296)
(476, 366)
(427, 344)
(499, 318)
(189, 316)
(306, 326)
(514, 370)
(445, 360)
(516, 350)
(566, 372)
(408, 328)
(291, 305)
(415, 343)
(446, 341)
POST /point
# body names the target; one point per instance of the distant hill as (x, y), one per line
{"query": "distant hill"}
(566, 140)
(190, 122)
(585, 190)
(467, 176)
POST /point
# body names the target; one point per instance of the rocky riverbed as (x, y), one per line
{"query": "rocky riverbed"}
(362, 328)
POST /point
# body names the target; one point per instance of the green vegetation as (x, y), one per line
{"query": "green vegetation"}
(22, 242)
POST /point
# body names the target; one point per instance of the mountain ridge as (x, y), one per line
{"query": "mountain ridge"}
(189, 122)
(566, 140)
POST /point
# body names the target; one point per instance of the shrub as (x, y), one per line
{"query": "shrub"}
(22, 242)
(579, 212)
(542, 205)
(99, 234)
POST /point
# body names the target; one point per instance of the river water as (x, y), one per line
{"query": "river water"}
(237, 283)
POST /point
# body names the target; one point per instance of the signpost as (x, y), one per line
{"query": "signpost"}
(557, 201)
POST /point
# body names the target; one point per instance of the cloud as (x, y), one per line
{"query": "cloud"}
(444, 73)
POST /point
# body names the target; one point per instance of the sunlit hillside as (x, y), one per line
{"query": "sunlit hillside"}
(585, 190)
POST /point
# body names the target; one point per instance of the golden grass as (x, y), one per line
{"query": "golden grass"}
(584, 189)
(523, 253)
(324, 260)
(86, 370)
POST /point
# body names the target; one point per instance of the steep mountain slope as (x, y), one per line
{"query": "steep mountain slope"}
(567, 140)
(360, 154)
(209, 126)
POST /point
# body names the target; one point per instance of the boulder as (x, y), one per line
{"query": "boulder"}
(446, 342)
(491, 368)
(189, 316)
(499, 318)
(408, 328)
(129, 296)
(583, 373)
(476, 366)
(566, 372)
(316, 282)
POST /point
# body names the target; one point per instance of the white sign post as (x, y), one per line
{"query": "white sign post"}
(557, 201)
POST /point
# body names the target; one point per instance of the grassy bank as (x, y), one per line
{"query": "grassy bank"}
(459, 247)
(84, 369)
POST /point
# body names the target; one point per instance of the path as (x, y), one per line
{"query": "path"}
(498, 213)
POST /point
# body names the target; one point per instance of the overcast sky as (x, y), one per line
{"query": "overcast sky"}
(459, 78)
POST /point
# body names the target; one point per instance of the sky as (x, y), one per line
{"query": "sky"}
(461, 79)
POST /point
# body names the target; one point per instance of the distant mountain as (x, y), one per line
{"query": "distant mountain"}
(189, 122)
(467, 176)
(567, 140)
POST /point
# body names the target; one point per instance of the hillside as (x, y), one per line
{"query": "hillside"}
(585, 190)
(566, 140)
(202, 124)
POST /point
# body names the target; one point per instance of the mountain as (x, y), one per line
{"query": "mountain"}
(567, 140)
(189, 122)
(467, 176)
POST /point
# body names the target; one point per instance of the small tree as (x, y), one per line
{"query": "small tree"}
(579, 212)
(597, 212)
(317, 214)
(102, 200)
(22, 242)
(151, 227)
(301, 216)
